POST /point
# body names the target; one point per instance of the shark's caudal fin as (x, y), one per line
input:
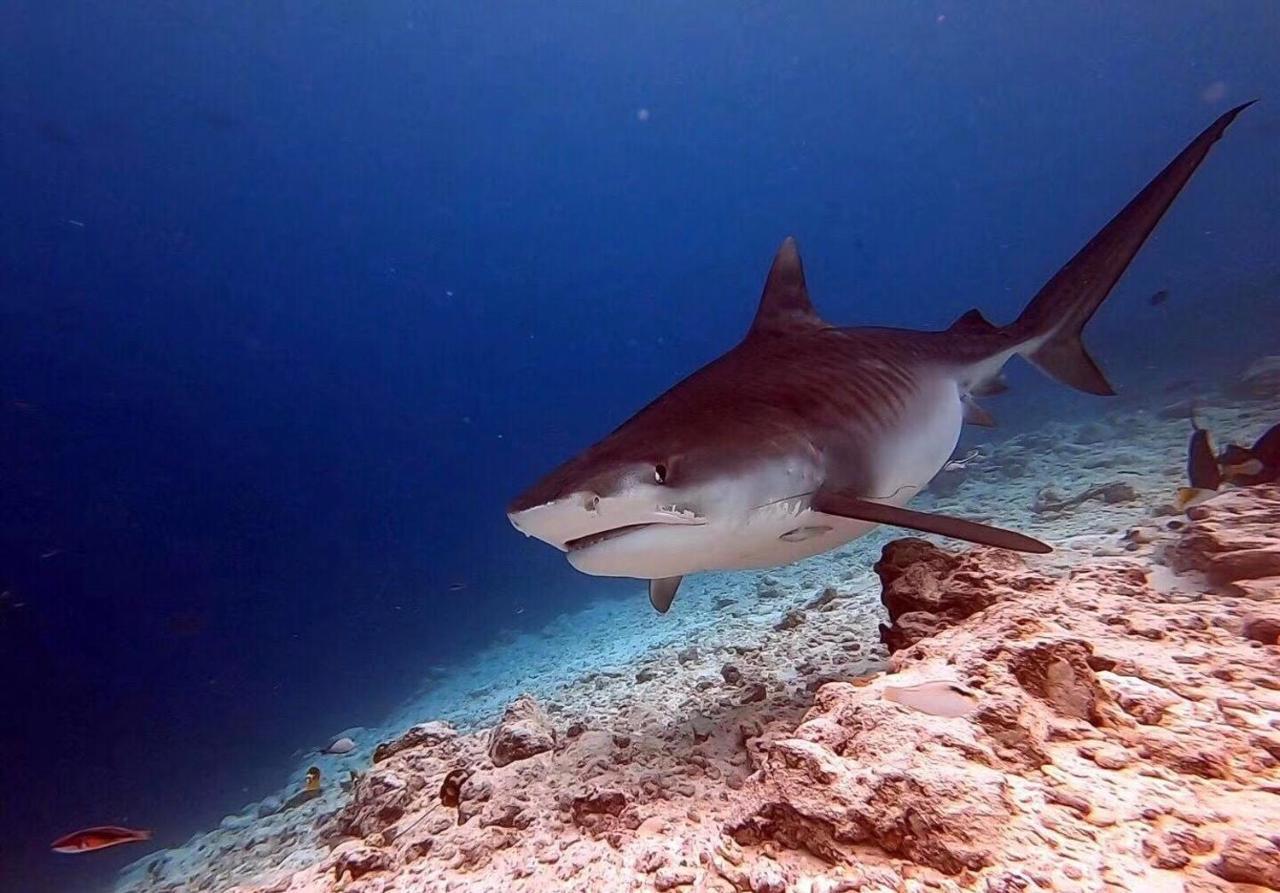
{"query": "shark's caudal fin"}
(1050, 326)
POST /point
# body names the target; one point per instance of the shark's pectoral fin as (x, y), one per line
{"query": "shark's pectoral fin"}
(975, 414)
(663, 592)
(845, 505)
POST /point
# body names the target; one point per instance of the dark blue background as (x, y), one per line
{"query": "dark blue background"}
(350, 277)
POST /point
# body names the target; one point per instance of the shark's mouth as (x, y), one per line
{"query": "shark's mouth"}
(672, 516)
(593, 539)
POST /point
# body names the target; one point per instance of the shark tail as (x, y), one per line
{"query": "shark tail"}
(1049, 330)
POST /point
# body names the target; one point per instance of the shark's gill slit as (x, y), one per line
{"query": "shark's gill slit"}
(780, 499)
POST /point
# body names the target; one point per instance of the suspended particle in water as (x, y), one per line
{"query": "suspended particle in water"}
(642, 115)
(1214, 92)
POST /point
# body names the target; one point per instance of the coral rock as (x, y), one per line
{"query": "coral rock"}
(1250, 859)
(380, 799)
(431, 735)
(597, 803)
(523, 732)
(1233, 536)
(358, 860)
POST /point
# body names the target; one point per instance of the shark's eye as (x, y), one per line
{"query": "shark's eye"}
(660, 473)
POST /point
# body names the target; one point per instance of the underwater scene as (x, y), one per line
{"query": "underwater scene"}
(723, 446)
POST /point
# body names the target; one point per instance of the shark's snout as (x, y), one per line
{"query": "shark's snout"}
(582, 520)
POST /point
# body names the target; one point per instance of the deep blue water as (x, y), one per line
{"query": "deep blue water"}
(295, 296)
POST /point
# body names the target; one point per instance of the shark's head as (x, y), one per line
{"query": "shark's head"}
(638, 504)
(674, 489)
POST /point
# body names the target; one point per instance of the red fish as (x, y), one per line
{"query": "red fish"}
(97, 839)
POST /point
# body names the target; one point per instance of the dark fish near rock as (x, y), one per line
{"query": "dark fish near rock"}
(1159, 297)
(98, 838)
(1250, 466)
(451, 787)
(1235, 465)
(1203, 474)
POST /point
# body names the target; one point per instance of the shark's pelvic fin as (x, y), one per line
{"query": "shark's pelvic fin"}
(996, 384)
(975, 414)
(663, 592)
(785, 304)
(1051, 324)
(846, 505)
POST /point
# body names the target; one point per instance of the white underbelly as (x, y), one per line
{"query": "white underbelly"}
(767, 548)
(908, 456)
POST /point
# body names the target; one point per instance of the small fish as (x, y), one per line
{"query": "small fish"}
(960, 464)
(97, 839)
(312, 783)
(1187, 497)
(1159, 297)
(339, 746)
(457, 587)
(76, 223)
(937, 698)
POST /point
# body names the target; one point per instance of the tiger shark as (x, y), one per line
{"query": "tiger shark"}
(807, 435)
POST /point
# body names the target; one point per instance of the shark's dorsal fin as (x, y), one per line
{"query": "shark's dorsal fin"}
(785, 303)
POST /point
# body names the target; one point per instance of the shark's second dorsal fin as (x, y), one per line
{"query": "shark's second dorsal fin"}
(974, 322)
(785, 303)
